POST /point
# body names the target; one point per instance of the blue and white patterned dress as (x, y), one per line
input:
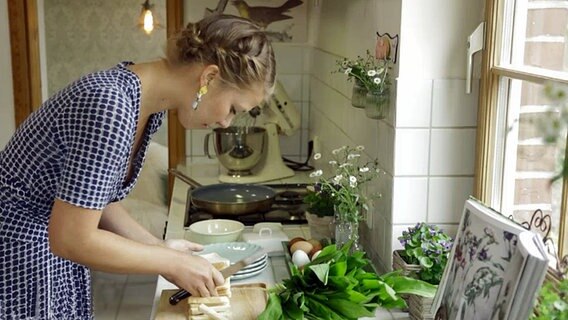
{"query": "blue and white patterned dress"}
(76, 147)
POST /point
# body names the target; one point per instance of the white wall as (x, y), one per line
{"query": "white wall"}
(7, 120)
(435, 120)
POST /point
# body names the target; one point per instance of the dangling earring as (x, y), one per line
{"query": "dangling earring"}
(202, 91)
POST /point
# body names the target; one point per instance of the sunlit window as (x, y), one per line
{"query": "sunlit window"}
(528, 50)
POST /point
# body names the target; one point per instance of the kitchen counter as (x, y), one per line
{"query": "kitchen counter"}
(206, 172)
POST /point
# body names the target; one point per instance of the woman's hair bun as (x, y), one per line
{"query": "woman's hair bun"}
(237, 46)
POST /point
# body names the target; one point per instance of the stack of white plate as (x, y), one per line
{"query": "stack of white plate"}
(236, 251)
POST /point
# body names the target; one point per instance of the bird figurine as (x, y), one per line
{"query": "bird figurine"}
(263, 16)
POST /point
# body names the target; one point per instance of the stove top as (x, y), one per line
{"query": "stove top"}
(288, 208)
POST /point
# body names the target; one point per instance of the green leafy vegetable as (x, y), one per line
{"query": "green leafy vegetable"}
(339, 285)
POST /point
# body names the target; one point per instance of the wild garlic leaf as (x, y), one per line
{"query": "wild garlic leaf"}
(407, 285)
(292, 310)
(349, 309)
(321, 271)
(273, 309)
(338, 269)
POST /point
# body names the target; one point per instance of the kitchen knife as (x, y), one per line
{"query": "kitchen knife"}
(227, 272)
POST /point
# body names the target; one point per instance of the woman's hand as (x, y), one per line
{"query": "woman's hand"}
(183, 245)
(196, 275)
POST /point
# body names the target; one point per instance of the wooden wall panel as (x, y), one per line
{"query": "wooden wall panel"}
(176, 133)
(26, 75)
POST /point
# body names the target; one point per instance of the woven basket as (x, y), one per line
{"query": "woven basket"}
(398, 263)
(419, 307)
(410, 270)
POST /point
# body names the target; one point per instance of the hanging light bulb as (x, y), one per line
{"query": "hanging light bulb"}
(147, 20)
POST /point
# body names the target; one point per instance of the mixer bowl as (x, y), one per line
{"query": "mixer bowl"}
(238, 149)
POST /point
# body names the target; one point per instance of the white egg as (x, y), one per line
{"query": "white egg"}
(316, 254)
(300, 258)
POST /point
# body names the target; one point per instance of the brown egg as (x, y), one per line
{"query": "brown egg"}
(317, 245)
(294, 240)
(301, 245)
(314, 250)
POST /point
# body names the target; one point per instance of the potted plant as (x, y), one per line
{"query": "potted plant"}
(320, 213)
(425, 255)
(346, 186)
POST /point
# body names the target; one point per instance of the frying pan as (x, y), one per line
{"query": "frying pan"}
(228, 198)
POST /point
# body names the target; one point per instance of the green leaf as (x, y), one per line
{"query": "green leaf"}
(338, 269)
(293, 311)
(349, 309)
(321, 311)
(273, 310)
(326, 254)
(407, 285)
(370, 284)
(426, 262)
(340, 283)
(351, 295)
(321, 271)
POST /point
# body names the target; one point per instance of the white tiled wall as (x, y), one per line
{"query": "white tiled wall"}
(452, 151)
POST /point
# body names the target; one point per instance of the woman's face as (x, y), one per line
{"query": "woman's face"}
(219, 105)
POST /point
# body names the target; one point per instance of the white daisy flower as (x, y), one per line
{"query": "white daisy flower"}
(352, 156)
(360, 148)
(333, 162)
(371, 73)
(348, 70)
(352, 179)
(345, 165)
(317, 156)
(336, 151)
(377, 80)
(364, 169)
(353, 184)
(337, 178)
(316, 173)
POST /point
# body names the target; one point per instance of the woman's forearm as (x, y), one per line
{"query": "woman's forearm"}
(74, 234)
(116, 219)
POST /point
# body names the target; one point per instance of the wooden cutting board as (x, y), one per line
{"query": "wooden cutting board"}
(247, 302)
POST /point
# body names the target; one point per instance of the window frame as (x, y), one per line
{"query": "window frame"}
(488, 178)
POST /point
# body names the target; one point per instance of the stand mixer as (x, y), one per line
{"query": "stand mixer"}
(278, 116)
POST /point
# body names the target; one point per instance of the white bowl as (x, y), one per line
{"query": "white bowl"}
(215, 231)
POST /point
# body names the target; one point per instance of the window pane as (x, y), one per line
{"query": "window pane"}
(539, 34)
(530, 163)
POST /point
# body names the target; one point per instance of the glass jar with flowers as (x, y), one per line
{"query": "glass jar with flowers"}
(371, 87)
(377, 100)
(350, 174)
